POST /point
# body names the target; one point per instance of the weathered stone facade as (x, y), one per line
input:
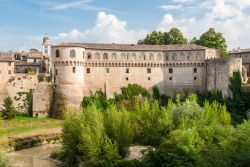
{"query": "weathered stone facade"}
(80, 68)
(245, 55)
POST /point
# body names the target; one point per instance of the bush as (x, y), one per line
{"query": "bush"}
(8, 112)
(3, 160)
(133, 90)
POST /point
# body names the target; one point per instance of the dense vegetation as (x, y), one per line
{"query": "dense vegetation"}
(3, 160)
(8, 111)
(211, 39)
(188, 131)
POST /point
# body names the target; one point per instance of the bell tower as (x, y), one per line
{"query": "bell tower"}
(47, 53)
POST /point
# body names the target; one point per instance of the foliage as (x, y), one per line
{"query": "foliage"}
(3, 160)
(8, 112)
(213, 39)
(30, 70)
(133, 90)
(173, 37)
(156, 93)
(154, 38)
(29, 99)
(40, 78)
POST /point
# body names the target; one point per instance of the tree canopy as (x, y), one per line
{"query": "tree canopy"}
(174, 36)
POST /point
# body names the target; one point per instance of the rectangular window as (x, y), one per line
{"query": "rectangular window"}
(9, 63)
(127, 70)
(149, 78)
(149, 70)
(107, 70)
(88, 70)
(74, 69)
(56, 72)
(195, 70)
(195, 78)
(170, 78)
(9, 71)
(170, 70)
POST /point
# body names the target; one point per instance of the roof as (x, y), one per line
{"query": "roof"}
(6, 57)
(132, 47)
(240, 51)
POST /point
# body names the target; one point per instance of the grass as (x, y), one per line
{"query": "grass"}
(22, 124)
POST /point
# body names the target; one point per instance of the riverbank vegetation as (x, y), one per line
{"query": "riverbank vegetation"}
(188, 130)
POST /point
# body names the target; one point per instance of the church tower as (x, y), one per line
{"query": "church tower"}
(47, 53)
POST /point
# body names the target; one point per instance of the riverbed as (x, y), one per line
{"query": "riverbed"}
(34, 157)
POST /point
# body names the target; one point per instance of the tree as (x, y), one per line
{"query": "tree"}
(174, 37)
(154, 38)
(213, 39)
(8, 112)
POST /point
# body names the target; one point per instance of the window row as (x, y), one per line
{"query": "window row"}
(142, 56)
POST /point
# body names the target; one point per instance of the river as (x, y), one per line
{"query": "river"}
(34, 157)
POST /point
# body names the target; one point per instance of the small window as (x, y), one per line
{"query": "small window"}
(151, 56)
(127, 70)
(158, 56)
(9, 63)
(166, 56)
(195, 78)
(89, 56)
(149, 70)
(126, 78)
(74, 69)
(97, 56)
(57, 53)
(56, 72)
(143, 56)
(133, 56)
(107, 70)
(174, 57)
(105, 56)
(114, 56)
(182, 56)
(170, 70)
(123, 56)
(72, 53)
(149, 78)
(170, 78)
(9, 71)
(88, 70)
(195, 70)
(190, 56)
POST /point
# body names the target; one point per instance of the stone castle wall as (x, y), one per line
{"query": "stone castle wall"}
(218, 72)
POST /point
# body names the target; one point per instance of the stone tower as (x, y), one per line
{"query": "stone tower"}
(69, 74)
(47, 52)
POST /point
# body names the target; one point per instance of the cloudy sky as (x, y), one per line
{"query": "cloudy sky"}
(23, 23)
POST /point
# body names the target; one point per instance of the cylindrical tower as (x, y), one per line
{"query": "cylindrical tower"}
(69, 74)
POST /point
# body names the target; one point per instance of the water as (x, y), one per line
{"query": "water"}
(34, 157)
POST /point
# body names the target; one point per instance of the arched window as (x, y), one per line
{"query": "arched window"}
(174, 57)
(166, 56)
(89, 57)
(123, 56)
(142, 56)
(128, 56)
(114, 56)
(133, 56)
(158, 56)
(198, 55)
(72, 53)
(190, 56)
(105, 56)
(182, 56)
(97, 56)
(57, 53)
(151, 56)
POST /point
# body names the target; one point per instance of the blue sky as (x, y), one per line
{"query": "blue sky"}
(24, 22)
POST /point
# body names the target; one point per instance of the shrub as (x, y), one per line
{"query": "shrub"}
(3, 160)
(8, 112)
(133, 90)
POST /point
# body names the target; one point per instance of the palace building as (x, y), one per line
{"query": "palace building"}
(81, 68)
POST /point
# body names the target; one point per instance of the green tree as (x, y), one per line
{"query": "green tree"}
(213, 39)
(154, 38)
(174, 37)
(8, 112)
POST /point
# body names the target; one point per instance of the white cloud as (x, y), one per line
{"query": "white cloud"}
(225, 16)
(108, 29)
(183, 1)
(171, 7)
